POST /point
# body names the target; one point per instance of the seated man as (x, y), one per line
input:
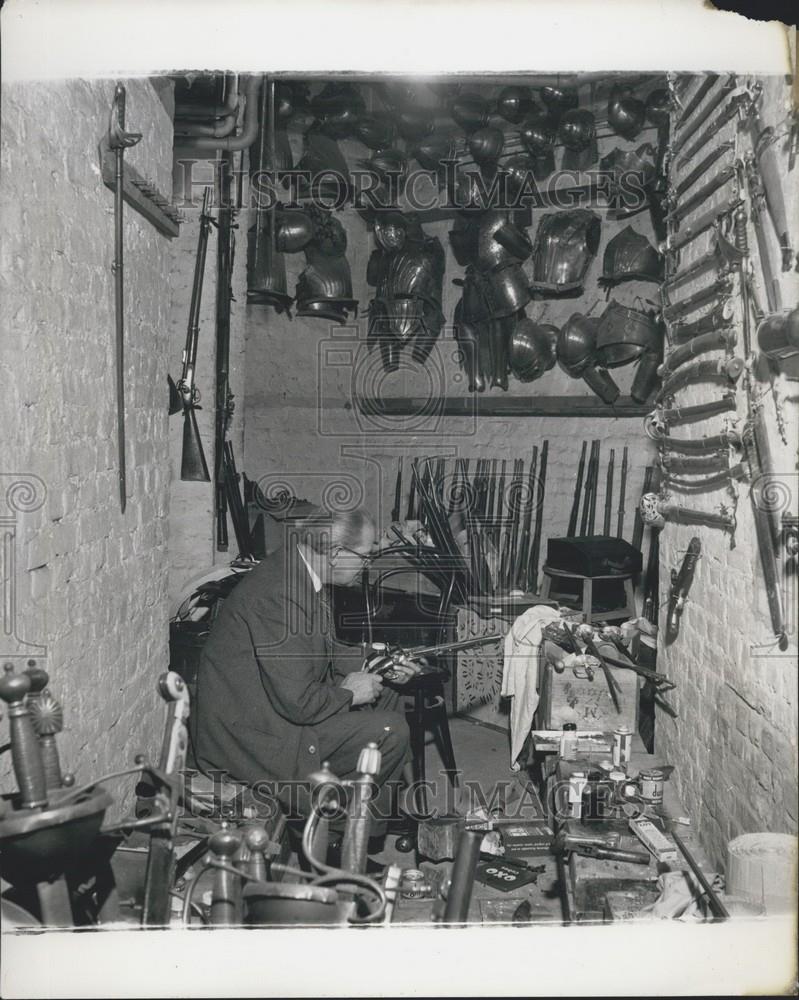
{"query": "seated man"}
(268, 707)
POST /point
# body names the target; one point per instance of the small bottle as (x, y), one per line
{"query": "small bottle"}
(622, 746)
(568, 741)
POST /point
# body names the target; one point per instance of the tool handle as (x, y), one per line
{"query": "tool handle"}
(26, 753)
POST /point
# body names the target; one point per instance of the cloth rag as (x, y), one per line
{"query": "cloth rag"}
(520, 673)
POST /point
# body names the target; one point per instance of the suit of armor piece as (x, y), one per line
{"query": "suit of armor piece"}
(407, 271)
(624, 334)
(324, 289)
(565, 244)
(629, 256)
(495, 289)
(576, 352)
(532, 349)
(632, 174)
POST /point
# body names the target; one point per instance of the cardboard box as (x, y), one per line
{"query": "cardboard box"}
(529, 839)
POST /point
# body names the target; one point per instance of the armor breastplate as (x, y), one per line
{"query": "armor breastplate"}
(565, 244)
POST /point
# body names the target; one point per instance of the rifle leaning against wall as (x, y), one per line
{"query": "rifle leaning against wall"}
(193, 467)
(224, 397)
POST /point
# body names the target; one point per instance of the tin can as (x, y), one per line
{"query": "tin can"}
(622, 745)
(651, 782)
(414, 884)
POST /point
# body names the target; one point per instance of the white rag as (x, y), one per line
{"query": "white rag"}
(520, 673)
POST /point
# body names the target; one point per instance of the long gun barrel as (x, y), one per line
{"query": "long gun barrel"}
(395, 510)
(594, 480)
(609, 492)
(532, 569)
(622, 494)
(193, 467)
(577, 490)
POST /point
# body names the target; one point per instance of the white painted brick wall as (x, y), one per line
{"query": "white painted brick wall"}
(90, 582)
(734, 742)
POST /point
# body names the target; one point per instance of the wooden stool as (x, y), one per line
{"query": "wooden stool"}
(587, 609)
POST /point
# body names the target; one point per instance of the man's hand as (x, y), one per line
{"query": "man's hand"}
(365, 687)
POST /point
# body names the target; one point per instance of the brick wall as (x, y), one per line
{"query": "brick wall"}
(90, 582)
(734, 742)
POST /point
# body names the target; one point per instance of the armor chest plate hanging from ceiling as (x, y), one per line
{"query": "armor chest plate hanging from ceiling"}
(565, 244)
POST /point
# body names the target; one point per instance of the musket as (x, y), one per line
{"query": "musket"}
(193, 467)
(713, 216)
(701, 195)
(651, 593)
(577, 490)
(699, 120)
(656, 509)
(727, 370)
(681, 581)
(758, 455)
(532, 566)
(693, 466)
(719, 289)
(500, 499)
(523, 549)
(722, 256)
(411, 509)
(726, 439)
(224, 397)
(710, 483)
(738, 98)
(638, 524)
(719, 339)
(119, 140)
(685, 414)
(768, 167)
(622, 494)
(696, 99)
(701, 168)
(594, 481)
(509, 543)
(492, 492)
(395, 510)
(718, 319)
(587, 489)
(609, 492)
(613, 685)
(238, 512)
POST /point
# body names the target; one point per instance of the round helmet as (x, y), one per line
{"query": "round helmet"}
(295, 230)
(414, 123)
(386, 162)
(576, 129)
(532, 349)
(396, 94)
(537, 135)
(519, 170)
(486, 144)
(464, 191)
(630, 256)
(576, 344)
(658, 106)
(431, 151)
(625, 113)
(513, 103)
(376, 133)
(558, 100)
(470, 111)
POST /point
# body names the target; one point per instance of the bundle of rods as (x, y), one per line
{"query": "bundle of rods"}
(485, 522)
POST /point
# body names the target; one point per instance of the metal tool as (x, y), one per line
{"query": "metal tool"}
(119, 140)
(718, 319)
(567, 842)
(356, 834)
(717, 908)
(728, 370)
(693, 126)
(719, 290)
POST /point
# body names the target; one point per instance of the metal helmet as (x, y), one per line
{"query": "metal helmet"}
(630, 256)
(486, 144)
(466, 190)
(519, 171)
(658, 106)
(463, 238)
(375, 132)
(626, 114)
(338, 107)
(536, 134)
(391, 230)
(433, 150)
(386, 162)
(623, 334)
(558, 100)
(576, 344)
(295, 230)
(396, 94)
(415, 123)
(532, 349)
(576, 129)
(513, 103)
(470, 111)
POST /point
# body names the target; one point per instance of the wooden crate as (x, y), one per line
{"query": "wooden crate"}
(566, 697)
